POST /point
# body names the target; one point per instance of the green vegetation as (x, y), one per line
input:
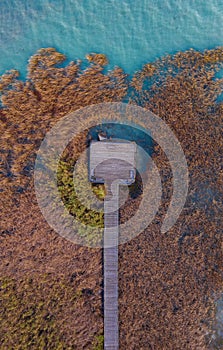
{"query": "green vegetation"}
(66, 186)
(29, 311)
(78, 204)
(98, 343)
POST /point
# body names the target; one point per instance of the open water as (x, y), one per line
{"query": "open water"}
(129, 32)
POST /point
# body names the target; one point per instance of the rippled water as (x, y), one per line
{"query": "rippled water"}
(130, 32)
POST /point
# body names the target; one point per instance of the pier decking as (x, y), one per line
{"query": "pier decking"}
(112, 163)
(110, 266)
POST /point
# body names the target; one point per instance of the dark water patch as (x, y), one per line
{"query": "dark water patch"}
(217, 336)
(125, 132)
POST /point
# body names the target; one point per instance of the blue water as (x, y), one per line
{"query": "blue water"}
(130, 32)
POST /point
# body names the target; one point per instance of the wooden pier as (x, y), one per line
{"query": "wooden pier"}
(110, 265)
(112, 163)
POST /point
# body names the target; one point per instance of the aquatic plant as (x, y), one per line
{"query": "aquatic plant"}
(169, 277)
(30, 311)
(97, 58)
(98, 342)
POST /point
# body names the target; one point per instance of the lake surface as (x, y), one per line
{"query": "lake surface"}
(129, 32)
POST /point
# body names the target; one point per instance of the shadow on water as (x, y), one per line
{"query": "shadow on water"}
(124, 132)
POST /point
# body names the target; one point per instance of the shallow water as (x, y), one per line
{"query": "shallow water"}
(129, 32)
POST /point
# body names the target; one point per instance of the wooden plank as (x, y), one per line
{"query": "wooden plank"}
(110, 161)
(111, 232)
(115, 159)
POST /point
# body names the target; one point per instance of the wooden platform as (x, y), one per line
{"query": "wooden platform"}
(111, 160)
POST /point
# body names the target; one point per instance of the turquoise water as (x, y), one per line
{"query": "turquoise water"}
(130, 32)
